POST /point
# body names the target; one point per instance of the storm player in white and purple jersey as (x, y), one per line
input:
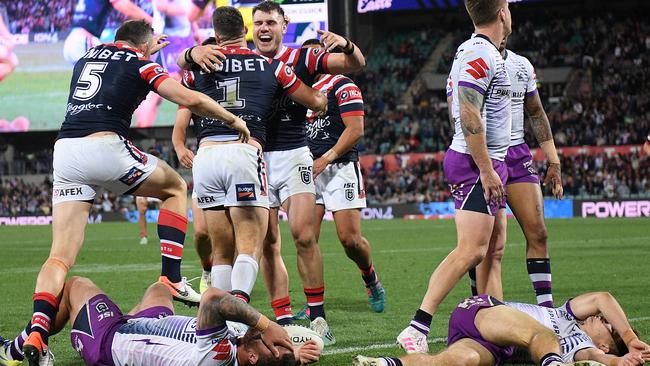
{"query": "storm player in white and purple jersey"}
(151, 334)
(474, 164)
(588, 330)
(523, 190)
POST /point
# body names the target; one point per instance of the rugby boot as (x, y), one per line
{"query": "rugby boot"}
(182, 291)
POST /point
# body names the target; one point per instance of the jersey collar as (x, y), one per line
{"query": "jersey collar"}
(479, 35)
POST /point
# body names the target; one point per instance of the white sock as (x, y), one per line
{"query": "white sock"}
(220, 276)
(244, 273)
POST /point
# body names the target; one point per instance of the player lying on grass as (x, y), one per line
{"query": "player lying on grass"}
(150, 334)
(484, 331)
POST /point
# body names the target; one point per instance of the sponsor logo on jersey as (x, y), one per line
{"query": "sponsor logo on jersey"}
(207, 199)
(132, 176)
(66, 192)
(478, 68)
(245, 192)
(74, 109)
(305, 174)
(222, 350)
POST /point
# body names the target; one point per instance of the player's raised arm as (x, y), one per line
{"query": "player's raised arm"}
(218, 306)
(350, 60)
(131, 11)
(185, 156)
(207, 56)
(201, 104)
(297, 90)
(542, 131)
(595, 303)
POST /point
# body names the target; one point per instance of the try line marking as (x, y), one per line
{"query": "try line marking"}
(340, 351)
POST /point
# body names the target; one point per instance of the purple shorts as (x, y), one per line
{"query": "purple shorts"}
(520, 165)
(464, 181)
(461, 325)
(95, 326)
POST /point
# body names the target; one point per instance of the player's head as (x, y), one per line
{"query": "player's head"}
(486, 13)
(269, 26)
(252, 351)
(604, 336)
(228, 24)
(137, 33)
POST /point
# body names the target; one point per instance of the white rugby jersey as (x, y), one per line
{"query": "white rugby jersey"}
(172, 341)
(479, 65)
(561, 321)
(524, 84)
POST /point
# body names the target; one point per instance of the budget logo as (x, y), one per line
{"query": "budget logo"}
(132, 176)
(245, 192)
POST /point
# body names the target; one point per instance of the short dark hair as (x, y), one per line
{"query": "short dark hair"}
(134, 31)
(228, 22)
(312, 42)
(619, 343)
(269, 6)
(250, 339)
(483, 12)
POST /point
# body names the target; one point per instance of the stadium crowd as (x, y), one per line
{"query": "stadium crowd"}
(39, 15)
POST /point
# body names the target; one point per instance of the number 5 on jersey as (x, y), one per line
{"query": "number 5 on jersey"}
(90, 80)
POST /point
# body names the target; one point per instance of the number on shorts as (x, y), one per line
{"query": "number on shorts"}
(230, 88)
(90, 80)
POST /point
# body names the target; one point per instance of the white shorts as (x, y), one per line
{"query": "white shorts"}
(230, 175)
(81, 165)
(290, 172)
(340, 187)
(79, 41)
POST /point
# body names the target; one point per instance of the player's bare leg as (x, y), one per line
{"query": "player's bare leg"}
(300, 210)
(499, 325)
(68, 223)
(156, 295)
(276, 277)
(202, 245)
(168, 186)
(222, 239)
(250, 225)
(488, 273)
(527, 204)
(474, 231)
(141, 203)
(357, 248)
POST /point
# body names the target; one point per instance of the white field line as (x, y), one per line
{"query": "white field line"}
(354, 349)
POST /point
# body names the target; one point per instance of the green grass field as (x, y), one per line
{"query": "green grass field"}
(587, 255)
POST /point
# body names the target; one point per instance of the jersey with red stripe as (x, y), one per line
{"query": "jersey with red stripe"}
(344, 100)
(246, 85)
(108, 83)
(287, 126)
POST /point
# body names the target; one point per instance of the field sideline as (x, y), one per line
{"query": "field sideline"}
(587, 255)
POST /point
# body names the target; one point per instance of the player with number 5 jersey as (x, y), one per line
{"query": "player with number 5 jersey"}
(91, 152)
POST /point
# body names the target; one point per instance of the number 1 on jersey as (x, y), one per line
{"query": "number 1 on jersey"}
(230, 88)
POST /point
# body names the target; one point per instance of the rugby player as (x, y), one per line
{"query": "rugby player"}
(339, 185)
(8, 59)
(89, 20)
(150, 334)
(525, 197)
(474, 164)
(288, 158)
(588, 330)
(230, 177)
(91, 152)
